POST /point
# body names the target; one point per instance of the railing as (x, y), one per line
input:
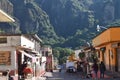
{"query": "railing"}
(6, 6)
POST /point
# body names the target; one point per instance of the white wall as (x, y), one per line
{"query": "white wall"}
(13, 56)
(77, 52)
(12, 43)
(17, 41)
(44, 59)
(27, 43)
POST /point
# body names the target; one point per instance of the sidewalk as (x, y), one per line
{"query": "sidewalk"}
(108, 74)
(98, 75)
(113, 74)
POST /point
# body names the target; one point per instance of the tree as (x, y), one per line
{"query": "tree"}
(61, 54)
(81, 55)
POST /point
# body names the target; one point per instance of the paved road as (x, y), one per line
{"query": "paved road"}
(68, 76)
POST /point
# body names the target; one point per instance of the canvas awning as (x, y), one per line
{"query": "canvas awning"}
(28, 55)
(4, 17)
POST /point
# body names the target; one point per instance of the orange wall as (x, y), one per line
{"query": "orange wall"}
(115, 34)
(110, 35)
(102, 38)
(107, 58)
(107, 39)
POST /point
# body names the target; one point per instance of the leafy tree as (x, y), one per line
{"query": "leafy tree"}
(62, 54)
(81, 55)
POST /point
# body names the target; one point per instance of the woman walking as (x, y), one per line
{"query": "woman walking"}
(95, 68)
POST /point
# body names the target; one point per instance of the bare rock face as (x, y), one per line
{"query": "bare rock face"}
(6, 6)
(109, 12)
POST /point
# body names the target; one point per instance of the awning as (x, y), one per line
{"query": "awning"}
(28, 55)
(4, 17)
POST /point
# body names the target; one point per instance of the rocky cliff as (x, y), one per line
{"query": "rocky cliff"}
(63, 22)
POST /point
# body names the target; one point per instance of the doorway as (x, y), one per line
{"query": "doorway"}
(118, 60)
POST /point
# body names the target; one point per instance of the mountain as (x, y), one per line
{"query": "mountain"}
(64, 23)
(34, 20)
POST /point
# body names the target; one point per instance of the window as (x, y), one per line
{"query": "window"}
(3, 40)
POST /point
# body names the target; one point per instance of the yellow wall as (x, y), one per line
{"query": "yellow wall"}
(107, 39)
(115, 33)
(110, 35)
(102, 38)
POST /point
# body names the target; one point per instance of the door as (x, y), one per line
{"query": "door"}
(19, 62)
(110, 53)
(118, 59)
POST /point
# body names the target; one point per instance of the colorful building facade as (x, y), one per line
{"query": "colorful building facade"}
(107, 45)
(47, 52)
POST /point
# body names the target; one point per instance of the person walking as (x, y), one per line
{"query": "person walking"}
(102, 69)
(95, 69)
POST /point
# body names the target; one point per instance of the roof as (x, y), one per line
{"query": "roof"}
(106, 30)
(34, 36)
(4, 17)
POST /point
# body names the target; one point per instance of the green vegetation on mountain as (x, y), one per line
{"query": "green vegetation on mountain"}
(62, 23)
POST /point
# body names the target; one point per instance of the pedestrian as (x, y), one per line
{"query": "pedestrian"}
(95, 68)
(78, 67)
(102, 69)
(22, 66)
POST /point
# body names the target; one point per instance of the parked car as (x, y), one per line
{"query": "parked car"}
(71, 69)
(59, 67)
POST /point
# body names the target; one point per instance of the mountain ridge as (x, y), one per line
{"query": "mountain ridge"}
(65, 23)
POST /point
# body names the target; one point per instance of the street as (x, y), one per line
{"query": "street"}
(56, 75)
(63, 76)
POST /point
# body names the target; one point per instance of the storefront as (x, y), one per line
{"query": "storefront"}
(107, 45)
(16, 49)
(23, 56)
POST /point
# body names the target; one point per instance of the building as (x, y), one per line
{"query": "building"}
(77, 53)
(47, 52)
(16, 49)
(107, 45)
(6, 11)
(4, 17)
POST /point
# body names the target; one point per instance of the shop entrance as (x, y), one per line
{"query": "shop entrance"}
(19, 62)
(118, 60)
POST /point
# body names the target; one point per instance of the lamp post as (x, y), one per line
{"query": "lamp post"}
(99, 27)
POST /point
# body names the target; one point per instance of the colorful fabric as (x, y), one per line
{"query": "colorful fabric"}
(28, 70)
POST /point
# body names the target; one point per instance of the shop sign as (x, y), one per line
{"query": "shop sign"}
(5, 58)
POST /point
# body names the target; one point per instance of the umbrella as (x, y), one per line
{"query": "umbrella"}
(28, 70)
